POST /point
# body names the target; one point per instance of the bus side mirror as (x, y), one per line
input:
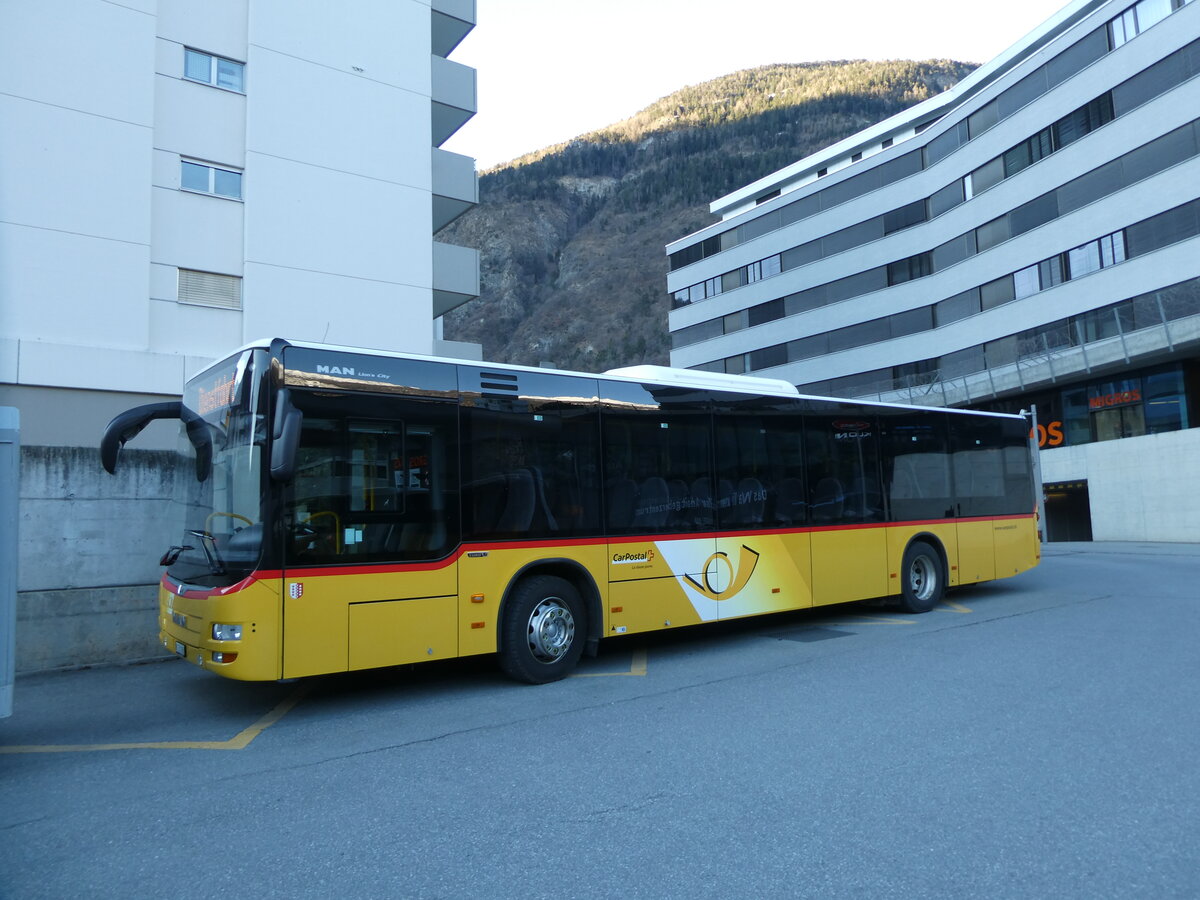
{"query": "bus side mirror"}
(285, 436)
(128, 425)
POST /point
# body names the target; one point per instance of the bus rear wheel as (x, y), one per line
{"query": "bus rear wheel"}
(543, 631)
(922, 580)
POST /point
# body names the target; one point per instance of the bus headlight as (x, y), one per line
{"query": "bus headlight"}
(226, 632)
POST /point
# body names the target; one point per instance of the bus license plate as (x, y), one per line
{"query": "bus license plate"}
(180, 649)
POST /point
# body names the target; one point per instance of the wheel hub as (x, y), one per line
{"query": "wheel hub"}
(551, 630)
(922, 579)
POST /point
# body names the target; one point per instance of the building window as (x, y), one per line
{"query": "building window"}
(1026, 282)
(210, 289)
(214, 70)
(206, 179)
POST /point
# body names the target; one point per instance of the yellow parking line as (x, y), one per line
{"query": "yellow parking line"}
(636, 667)
(954, 607)
(240, 741)
(876, 620)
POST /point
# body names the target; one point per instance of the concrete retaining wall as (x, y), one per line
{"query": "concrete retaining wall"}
(1140, 489)
(88, 551)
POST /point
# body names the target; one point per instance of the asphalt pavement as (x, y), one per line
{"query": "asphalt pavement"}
(1030, 737)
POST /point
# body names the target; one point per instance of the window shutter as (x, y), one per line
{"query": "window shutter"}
(210, 289)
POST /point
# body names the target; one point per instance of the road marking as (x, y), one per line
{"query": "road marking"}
(954, 607)
(876, 620)
(636, 667)
(239, 741)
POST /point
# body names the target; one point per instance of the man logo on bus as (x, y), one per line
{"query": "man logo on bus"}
(736, 579)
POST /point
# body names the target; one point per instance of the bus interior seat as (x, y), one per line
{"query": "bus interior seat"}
(751, 499)
(789, 501)
(724, 494)
(652, 506)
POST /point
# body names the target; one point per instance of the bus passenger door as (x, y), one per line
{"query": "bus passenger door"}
(762, 559)
(849, 538)
(371, 520)
(659, 508)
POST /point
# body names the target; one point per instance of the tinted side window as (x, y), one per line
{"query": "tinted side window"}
(658, 472)
(991, 466)
(842, 463)
(916, 467)
(529, 468)
(760, 474)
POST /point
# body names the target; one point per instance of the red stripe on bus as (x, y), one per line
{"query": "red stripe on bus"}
(435, 565)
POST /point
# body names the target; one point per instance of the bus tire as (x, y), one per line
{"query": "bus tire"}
(543, 631)
(922, 578)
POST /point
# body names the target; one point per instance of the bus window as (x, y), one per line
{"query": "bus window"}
(760, 458)
(530, 463)
(371, 489)
(916, 466)
(991, 467)
(842, 461)
(657, 468)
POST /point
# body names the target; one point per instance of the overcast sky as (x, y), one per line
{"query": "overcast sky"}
(553, 69)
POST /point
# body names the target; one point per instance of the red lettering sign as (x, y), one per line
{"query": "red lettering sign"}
(1120, 398)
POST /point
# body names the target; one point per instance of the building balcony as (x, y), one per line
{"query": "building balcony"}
(452, 21)
(455, 187)
(453, 97)
(455, 277)
(1039, 367)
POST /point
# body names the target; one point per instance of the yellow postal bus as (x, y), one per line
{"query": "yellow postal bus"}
(346, 509)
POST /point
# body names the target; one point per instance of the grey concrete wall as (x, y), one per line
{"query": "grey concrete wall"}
(1141, 488)
(88, 553)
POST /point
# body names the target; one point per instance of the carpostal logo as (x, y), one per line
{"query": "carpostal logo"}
(719, 569)
(636, 556)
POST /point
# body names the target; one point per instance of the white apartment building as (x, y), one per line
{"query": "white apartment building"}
(1029, 237)
(177, 178)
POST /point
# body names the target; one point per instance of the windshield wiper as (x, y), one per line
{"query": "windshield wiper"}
(208, 544)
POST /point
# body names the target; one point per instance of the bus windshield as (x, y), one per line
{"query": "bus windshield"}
(219, 483)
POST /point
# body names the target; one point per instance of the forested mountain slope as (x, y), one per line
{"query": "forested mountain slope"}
(572, 236)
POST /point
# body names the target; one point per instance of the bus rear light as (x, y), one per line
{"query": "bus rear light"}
(219, 657)
(226, 632)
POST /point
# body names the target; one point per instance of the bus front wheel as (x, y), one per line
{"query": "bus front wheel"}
(543, 632)
(922, 580)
